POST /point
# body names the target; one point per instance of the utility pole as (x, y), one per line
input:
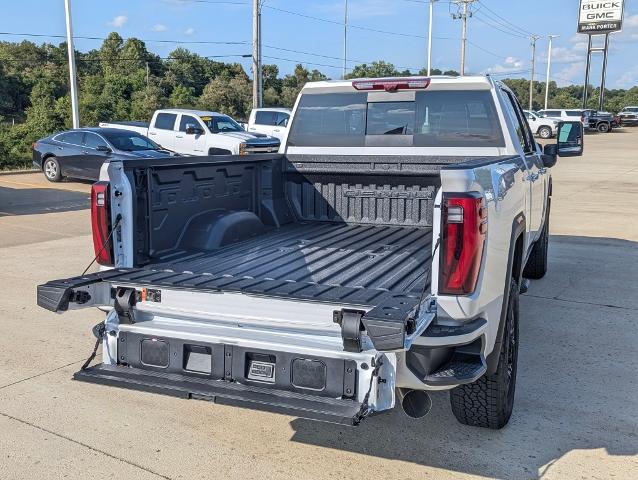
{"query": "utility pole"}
(549, 65)
(463, 15)
(430, 37)
(534, 38)
(72, 71)
(256, 56)
(345, 40)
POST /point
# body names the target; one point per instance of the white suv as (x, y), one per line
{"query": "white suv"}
(572, 115)
(544, 127)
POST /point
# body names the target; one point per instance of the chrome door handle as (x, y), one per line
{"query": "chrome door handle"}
(152, 133)
(179, 136)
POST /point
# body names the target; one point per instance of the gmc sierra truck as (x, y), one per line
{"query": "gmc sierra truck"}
(379, 256)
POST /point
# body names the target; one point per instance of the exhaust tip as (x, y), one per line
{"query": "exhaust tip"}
(415, 403)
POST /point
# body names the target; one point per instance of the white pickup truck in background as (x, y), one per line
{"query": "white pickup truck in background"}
(195, 132)
(379, 256)
(270, 121)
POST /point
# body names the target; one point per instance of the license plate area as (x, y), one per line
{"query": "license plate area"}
(315, 375)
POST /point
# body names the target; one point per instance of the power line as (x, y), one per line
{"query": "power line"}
(504, 20)
(358, 27)
(496, 27)
(84, 37)
(486, 50)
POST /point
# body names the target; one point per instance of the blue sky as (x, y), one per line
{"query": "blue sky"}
(497, 32)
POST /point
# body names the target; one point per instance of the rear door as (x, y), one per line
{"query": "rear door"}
(537, 174)
(70, 155)
(92, 158)
(193, 144)
(162, 130)
(281, 125)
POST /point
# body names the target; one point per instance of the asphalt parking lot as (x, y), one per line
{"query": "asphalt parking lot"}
(576, 399)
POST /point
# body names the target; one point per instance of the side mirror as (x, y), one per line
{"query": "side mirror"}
(192, 129)
(550, 155)
(570, 139)
(103, 148)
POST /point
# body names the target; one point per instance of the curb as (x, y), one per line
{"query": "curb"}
(18, 172)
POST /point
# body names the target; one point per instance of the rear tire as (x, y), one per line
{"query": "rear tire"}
(603, 127)
(488, 402)
(536, 266)
(51, 169)
(545, 133)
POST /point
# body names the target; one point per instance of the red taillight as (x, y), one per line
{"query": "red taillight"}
(392, 85)
(100, 223)
(34, 146)
(463, 230)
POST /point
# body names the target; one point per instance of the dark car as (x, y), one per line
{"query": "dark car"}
(80, 153)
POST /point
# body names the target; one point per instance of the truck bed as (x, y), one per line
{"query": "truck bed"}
(320, 261)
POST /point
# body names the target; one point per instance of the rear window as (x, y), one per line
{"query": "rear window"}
(74, 138)
(165, 121)
(266, 118)
(433, 119)
(575, 113)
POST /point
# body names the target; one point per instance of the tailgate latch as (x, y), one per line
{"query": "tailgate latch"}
(351, 328)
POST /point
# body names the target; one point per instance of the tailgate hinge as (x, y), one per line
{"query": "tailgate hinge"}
(351, 328)
(125, 298)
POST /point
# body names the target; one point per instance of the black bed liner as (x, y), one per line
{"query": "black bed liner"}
(318, 261)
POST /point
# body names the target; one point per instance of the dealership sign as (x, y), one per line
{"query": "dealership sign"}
(598, 16)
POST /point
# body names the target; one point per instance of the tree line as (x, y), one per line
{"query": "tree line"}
(123, 80)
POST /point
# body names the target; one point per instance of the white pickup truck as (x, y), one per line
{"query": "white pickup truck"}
(378, 257)
(195, 132)
(269, 121)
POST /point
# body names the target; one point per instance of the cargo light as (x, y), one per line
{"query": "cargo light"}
(392, 85)
(101, 224)
(463, 231)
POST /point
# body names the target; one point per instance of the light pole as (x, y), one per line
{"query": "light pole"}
(549, 65)
(345, 40)
(430, 37)
(72, 71)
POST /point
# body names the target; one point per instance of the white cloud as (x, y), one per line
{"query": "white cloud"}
(631, 22)
(189, 31)
(570, 74)
(118, 21)
(628, 79)
(514, 62)
(158, 27)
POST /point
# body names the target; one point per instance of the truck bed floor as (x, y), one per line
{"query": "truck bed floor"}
(318, 260)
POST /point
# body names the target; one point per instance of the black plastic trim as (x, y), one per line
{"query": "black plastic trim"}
(518, 229)
(331, 410)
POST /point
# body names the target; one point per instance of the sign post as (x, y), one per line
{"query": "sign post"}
(599, 17)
